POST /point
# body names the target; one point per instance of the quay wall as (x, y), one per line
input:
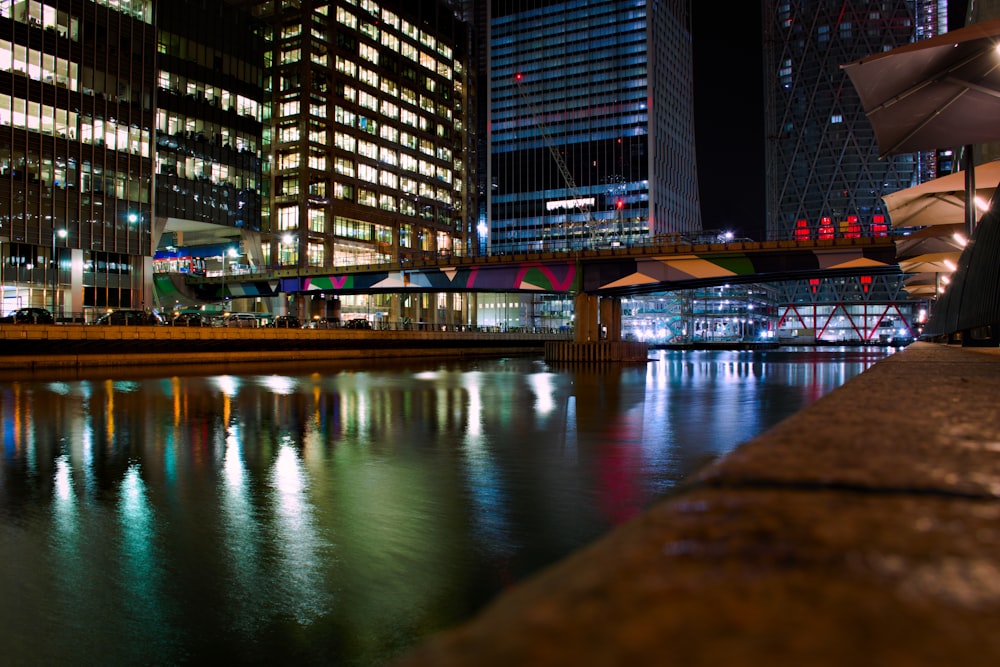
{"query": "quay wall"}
(34, 347)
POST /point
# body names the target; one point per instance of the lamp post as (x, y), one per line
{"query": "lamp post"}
(61, 234)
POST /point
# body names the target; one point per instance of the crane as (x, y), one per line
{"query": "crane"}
(581, 203)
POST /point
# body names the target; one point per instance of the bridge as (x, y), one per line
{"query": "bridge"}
(609, 272)
(597, 278)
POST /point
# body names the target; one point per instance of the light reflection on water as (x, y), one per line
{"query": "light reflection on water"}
(336, 516)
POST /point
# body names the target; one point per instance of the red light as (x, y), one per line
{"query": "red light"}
(826, 230)
(814, 284)
(517, 77)
(620, 203)
(866, 282)
(801, 230)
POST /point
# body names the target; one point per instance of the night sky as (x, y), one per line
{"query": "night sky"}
(729, 116)
(729, 113)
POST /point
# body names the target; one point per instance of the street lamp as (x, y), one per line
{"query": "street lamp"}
(61, 234)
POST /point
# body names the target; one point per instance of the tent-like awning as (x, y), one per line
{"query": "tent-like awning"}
(941, 201)
(933, 93)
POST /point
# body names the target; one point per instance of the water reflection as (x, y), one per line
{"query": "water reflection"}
(335, 515)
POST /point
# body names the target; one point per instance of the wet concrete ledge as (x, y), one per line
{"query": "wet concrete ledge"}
(864, 530)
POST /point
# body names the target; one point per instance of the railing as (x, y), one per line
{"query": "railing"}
(348, 323)
(437, 260)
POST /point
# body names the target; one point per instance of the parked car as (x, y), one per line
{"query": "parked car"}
(191, 320)
(29, 316)
(128, 318)
(324, 323)
(242, 320)
(358, 323)
(286, 322)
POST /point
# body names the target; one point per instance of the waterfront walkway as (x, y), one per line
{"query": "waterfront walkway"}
(864, 530)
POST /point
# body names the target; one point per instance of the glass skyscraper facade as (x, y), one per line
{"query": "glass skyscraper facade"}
(209, 102)
(77, 86)
(591, 124)
(824, 174)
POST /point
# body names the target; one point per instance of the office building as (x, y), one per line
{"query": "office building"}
(366, 132)
(77, 87)
(591, 124)
(824, 176)
(824, 173)
(208, 154)
(126, 125)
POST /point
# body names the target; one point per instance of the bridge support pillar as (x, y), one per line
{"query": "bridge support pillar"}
(611, 317)
(593, 315)
(585, 327)
(395, 309)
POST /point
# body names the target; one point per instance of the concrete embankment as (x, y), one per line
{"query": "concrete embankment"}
(864, 530)
(36, 347)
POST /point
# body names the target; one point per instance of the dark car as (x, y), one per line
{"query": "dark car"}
(29, 316)
(191, 320)
(358, 323)
(324, 323)
(127, 317)
(286, 322)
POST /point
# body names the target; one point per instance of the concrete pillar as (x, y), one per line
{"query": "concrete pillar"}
(395, 310)
(449, 310)
(611, 317)
(586, 328)
(418, 309)
(473, 307)
(333, 308)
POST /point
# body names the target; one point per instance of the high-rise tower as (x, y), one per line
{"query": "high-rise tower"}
(366, 132)
(824, 174)
(591, 123)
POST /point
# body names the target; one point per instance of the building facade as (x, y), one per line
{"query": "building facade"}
(77, 87)
(824, 176)
(366, 130)
(125, 128)
(208, 160)
(591, 124)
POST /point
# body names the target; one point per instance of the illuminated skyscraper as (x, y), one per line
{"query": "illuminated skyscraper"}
(824, 174)
(367, 132)
(76, 163)
(825, 178)
(591, 122)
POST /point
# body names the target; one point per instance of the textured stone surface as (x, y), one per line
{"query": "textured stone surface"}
(863, 531)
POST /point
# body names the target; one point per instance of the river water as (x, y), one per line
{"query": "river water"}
(337, 515)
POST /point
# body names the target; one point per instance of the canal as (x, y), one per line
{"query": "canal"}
(337, 515)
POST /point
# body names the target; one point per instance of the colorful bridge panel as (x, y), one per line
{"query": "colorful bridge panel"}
(642, 274)
(547, 277)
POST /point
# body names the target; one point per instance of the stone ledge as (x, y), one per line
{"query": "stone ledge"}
(864, 530)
